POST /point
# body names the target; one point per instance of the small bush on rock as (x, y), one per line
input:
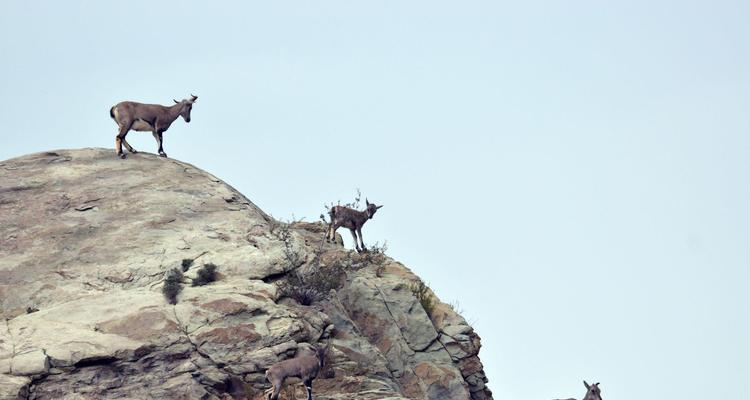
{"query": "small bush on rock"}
(375, 255)
(274, 225)
(186, 264)
(312, 286)
(206, 275)
(172, 285)
(421, 291)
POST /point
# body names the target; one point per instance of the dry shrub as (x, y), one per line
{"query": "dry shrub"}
(313, 285)
(172, 285)
(186, 264)
(206, 274)
(375, 254)
(421, 291)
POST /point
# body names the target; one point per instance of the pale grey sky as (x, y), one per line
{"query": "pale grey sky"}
(574, 173)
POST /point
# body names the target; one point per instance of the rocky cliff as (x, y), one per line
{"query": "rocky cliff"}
(86, 239)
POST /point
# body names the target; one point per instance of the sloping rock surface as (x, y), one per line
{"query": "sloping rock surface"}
(86, 239)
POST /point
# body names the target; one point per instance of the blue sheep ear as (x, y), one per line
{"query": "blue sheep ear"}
(379, 207)
(367, 201)
(586, 384)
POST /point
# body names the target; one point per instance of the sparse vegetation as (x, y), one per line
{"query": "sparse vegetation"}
(375, 254)
(313, 285)
(206, 274)
(283, 232)
(172, 285)
(315, 282)
(292, 256)
(456, 307)
(186, 264)
(353, 205)
(273, 225)
(421, 291)
(280, 228)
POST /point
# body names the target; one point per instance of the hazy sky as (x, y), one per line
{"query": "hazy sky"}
(574, 174)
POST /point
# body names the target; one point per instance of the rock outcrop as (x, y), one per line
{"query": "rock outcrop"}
(86, 239)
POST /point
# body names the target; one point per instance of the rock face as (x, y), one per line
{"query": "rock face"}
(86, 239)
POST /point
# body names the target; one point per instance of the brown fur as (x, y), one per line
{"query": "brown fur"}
(351, 219)
(147, 117)
(305, 367)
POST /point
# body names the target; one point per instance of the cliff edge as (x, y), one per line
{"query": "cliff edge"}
(86, 240)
